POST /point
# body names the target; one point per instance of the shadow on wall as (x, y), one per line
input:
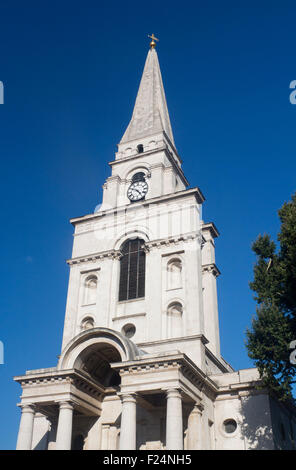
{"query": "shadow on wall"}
(47, 435)
(43, 443)
(283, 419)
(81, 427)
(256, 427)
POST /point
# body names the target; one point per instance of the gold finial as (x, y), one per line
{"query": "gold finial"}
(153, 43)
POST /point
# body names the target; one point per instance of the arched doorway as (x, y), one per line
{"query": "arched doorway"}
(116, 345)
(91, 354)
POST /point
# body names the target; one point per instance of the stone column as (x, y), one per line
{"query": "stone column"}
(25, 435)
(174, 420)
(194, 428)
(64, 432)
(128, 422)
(105, 436)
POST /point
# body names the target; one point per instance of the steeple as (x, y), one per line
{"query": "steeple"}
(150, 115)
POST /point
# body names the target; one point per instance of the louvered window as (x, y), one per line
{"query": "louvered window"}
(132, 270)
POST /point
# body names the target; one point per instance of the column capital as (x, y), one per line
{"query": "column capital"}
(127, 397)
(173, 393)
(66, 405)
(28, 408)
(198, 408)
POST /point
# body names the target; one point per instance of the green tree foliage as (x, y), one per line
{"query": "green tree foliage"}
(274, 326)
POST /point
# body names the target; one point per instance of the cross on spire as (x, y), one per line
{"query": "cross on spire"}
(153, 43)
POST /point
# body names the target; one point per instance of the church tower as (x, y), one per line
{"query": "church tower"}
(137, 265)
(140, 364)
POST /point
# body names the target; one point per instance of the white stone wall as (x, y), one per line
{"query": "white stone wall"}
(252, 414)
(41, 431)
(248, 406)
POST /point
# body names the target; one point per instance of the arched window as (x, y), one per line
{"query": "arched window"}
(140, 176)
(132, 270)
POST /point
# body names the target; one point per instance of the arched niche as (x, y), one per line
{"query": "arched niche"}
(87, 323)
(174, 273)
(174, 319)
(90, 286)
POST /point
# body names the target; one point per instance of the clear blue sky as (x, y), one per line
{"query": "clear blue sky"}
(71, 72)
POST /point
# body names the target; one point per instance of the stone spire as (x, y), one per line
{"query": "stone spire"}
(150, 115)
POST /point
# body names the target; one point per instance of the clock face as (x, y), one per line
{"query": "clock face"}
(137, 190)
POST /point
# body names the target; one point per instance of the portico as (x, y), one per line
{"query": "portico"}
(165, 385)
(171, 383)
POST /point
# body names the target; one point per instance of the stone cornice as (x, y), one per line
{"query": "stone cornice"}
(134, 156)
(196, 192)
(211, 268)
(172, 240)
(241, 389)
(113, 254)
(220, 363)
(116, 254)
(176, 162)
(156, 363)
(112, 178)
(73, 377)
(212, 228)
(200, 337)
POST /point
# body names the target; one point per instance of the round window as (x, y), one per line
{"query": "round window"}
(229, 426)
(129, 330)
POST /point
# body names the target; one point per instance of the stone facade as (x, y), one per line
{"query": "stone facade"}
(146, 372)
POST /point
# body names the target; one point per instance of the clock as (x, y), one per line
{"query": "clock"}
(137, 191)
